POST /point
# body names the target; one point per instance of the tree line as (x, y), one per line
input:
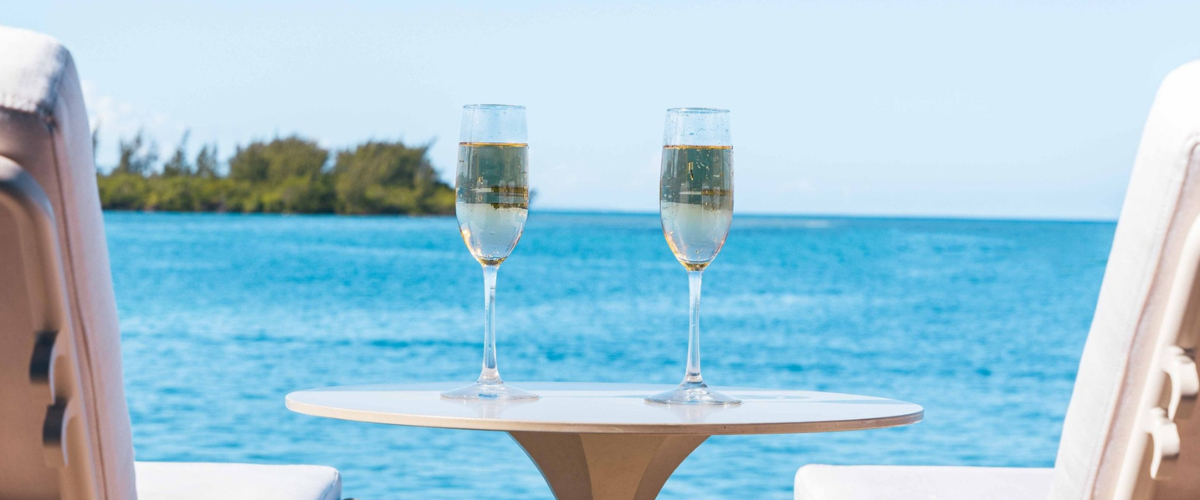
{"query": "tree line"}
(283, 175)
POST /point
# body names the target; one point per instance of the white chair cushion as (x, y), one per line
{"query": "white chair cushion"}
(44, 130)
(874, 482)
(209, 481)
(1162, 202)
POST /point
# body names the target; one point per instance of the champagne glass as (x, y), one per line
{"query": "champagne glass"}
(696, 208)
(491, 203)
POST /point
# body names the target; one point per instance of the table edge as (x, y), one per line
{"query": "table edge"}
(477, 424)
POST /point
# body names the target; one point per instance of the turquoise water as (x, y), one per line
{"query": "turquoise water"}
(982, 322)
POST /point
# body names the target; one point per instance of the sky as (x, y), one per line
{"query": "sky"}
(1009, 109)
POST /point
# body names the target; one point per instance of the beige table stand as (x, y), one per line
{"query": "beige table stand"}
(603, 441)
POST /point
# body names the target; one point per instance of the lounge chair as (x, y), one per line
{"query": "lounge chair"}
(64, 425)
(1127, 433)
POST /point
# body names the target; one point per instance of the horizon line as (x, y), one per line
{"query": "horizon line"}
(567, 211)
(989, 218)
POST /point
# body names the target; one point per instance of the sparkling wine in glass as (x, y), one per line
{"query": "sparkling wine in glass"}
(491, 203)
(696, 208)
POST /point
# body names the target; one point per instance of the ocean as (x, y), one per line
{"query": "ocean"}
(981, 322)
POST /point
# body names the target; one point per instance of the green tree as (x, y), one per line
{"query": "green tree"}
(286, 175)
(390, 178)
(178, 165)
(123, 191)
(206, 162)
(278, 160)
(136, 156)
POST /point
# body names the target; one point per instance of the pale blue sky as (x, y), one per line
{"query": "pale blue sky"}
(998, 109)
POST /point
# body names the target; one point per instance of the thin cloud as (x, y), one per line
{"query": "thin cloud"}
(119, 119)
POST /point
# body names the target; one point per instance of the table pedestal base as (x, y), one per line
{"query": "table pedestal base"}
(606, 466)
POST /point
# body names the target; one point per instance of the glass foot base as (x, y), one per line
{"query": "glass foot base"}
(489, 391)
(693, 394)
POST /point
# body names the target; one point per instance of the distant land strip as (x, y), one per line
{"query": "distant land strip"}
(283, 175)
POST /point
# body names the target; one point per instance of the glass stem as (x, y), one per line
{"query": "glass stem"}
(693, 362)
(490, 373)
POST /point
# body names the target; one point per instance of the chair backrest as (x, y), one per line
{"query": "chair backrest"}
(64, 424)
(1127, 425)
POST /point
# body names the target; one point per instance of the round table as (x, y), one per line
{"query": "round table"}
(603, 441)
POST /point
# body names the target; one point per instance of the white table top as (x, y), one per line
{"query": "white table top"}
(605, 408)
